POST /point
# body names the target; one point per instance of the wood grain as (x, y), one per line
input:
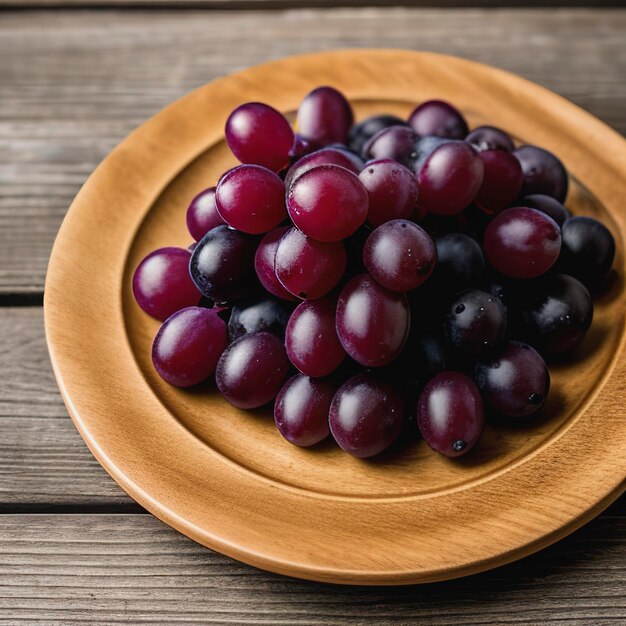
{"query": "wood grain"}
(73, 84)
(43, 461)
(131, 569)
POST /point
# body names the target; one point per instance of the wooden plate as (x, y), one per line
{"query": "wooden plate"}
(225, 477)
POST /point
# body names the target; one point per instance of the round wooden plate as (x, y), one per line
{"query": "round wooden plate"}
(225, 477)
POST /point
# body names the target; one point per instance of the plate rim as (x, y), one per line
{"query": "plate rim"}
(55, 299)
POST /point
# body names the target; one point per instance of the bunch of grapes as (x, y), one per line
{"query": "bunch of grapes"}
(362, 275)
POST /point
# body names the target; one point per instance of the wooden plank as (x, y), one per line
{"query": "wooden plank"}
(73, 84)
(119, 569)
(43, 460)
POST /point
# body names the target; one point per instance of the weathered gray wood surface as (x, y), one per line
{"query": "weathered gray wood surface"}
(131, 569)
(74, 83)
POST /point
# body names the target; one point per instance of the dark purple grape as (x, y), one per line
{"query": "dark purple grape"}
(188, 345)
(516, 382)
(257, 133)
(325, 117)
(475, 322)
(587, 251)
(311, 338)
(396, 143)
(251, 199)
(450, 414)
(162, 285)
(362, 132)
(366, 416)
(439, 118)
(264, 263)
(392, 191)
(449, 178)
(325, 156)
(202, 214)
(548, 205)
(522, 242)
(399, 255)
(502, 180)
(543, 172)
(555, 314)
(301, 410)
(252, 370)
(460, 261)
(327, 203)
(372, 322)
(221, 266)
(308, 268)
(490, 138)
(261, 314)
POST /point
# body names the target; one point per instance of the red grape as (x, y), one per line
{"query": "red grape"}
(264, 261)
(325, 117)
(202, 214)
(522, 242)
(257, 133)
(366, 416)
(311, 338)
(502, 180)
(396, 143)
(399, 255)
(362, 132)
(325, 156)
(301, 410)
(252, 370)
(251, 199)
(308, 268)
(450, 414)
(372, 322)
(490, 138)
(188, 345)
(162, 285)
(392, 191)
(327, 203)
(439, 118)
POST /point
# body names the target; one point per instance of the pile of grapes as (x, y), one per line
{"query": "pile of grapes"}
(410, 271)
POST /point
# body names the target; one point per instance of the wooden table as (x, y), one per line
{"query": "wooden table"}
(73, 547)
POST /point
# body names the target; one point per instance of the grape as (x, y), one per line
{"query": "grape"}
(449, 178)
(309, 268)
(490, 138)
(372, 322)
(366, 416)
(516, 382)
(264, 261)
(547, 205)
(439, 118)
(475, 322)
(502, 180)
(588, 250)
(325, 117)
(188, 345)
(556, 314)
(252, 370)
(162, 285)
(301, 147)
(301, 410)
(260, 314)
(251, 199)
(327, 203)
(460, 261)
(423, 148)
(450, 414)
(325, 156)
(311, 338)
(202, 214)
(396, 143)
(259, 134)
(392, 191)
(522, 242)
(543, 172)
(221, 264)
(362, 132)
(399, 255)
